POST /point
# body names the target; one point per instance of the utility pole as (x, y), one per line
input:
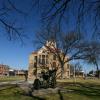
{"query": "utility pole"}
(74, 72)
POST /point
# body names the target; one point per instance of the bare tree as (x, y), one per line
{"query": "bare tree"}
(8, 15)
(65, 44)
(92, 53)
(82, 12)
(76, 70)
(62, 12)
(70, 44)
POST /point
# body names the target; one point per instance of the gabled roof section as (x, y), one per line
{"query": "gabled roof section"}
(34, 52)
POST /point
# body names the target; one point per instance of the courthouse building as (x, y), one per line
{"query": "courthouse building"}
(45, 59)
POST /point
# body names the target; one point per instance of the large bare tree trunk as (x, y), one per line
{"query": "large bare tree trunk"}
(62, 71)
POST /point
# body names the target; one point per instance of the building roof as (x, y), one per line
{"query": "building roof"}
(34, 52)
(2, 65)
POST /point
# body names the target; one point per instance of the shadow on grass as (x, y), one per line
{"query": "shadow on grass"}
(35, 97)
(60, 95)
(15, 90)
(38, 98)
(83, 89)
(31, 95)
(7, 86)
(86, 89)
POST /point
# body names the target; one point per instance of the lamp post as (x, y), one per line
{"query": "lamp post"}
(74, 72)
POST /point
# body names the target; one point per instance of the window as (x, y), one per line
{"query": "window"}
(54, 65)
(39, 59)
(35, 64)
(43, 56)
(54, 57)
(67, 73)
(35, 58)
(46, 59)
(68, 66)
(43, 59)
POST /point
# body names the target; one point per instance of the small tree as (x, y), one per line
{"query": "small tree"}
(76, 69)
(91, 53)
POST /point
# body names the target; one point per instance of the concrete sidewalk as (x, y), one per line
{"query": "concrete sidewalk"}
(12, 82)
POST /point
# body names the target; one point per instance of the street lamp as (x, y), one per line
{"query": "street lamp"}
(74, 72)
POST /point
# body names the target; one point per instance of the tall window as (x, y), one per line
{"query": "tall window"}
(67, 73)
(43, 59)
(35, 58)
(68, 66)
(54, 57)
(54, 65)
(39, 59)
(35, 64)
(47, 59)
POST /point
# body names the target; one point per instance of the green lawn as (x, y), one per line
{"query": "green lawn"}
(13, 93)
(81, 90)
(11, 78)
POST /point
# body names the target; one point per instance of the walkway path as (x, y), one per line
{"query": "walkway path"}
(11, 82)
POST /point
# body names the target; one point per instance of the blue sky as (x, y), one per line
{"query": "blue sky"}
(13, 53)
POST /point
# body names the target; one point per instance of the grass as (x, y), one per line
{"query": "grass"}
(81, 80)
(81, 90)
(11, 78)
(13, 93)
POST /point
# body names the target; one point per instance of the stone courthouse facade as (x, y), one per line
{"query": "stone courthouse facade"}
(42, 60)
